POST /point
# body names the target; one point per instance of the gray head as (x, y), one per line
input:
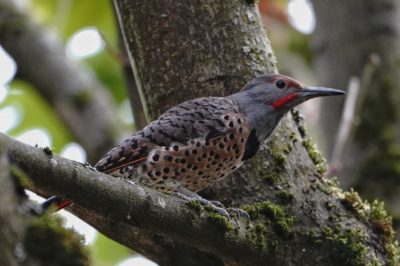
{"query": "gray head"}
(267, 98)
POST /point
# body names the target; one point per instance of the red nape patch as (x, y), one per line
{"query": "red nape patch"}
(280, 103)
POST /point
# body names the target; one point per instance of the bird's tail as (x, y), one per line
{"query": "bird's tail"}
(56, 201)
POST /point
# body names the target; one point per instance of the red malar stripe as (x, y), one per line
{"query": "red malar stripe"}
(280, 103)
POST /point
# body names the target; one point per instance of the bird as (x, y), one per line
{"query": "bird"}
(201, 141)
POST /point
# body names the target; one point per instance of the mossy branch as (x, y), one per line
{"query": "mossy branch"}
(267, 238)
(136, 206)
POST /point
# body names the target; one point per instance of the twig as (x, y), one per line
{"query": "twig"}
(354, 103)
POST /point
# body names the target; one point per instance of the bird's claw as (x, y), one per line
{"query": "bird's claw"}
(239, 213)
(216, 203)
(216, 206)
(219, 210)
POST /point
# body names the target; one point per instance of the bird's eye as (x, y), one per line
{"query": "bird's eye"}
(280, 84)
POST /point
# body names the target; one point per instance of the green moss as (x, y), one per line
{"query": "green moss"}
(270, 176)
(352, 200)
(251, 210)
(350, 244)
(261, 236)
(256, 53)
(194, 205)
(377, 215)
(293, 137)
(299, 120)
(261, 228)
(315, 156)
(374, 262)
(285, 196)
(221, 221)
(276, 213)
(270, 226)
(22, 178)
(356, 249)
(274, 168)
(327, 189)
(383, 222)
(208, 208)
(335, 216)
(258, 236)
(271, 210)
(280, 158)
(329, 206)
(285, 226)
(278, 154)
(48, 241)
(313, 152)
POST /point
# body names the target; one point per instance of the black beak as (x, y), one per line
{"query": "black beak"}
(311, 92)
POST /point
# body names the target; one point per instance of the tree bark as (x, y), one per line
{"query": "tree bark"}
(27, 240)
(11, 235)
(347, 34)
(77, 97)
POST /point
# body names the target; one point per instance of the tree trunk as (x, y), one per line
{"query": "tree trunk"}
(11, 222)
(347, 34)
(220, 46)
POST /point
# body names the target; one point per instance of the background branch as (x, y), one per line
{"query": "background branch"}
(77, 97)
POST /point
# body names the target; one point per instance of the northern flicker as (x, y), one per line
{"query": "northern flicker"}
(201, 141)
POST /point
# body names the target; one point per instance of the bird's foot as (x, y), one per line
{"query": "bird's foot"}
(239, 212)
(214, 205)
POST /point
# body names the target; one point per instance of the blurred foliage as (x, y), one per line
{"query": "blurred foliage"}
(66, 17)
(63, 247)
(108, 71)
(107, 252)
(300, 44)
(35, 113)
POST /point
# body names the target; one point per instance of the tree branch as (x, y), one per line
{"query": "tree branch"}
(136, 206)
(129, 210)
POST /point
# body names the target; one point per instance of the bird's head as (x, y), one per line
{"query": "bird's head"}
(283, 93)
(267, 98)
